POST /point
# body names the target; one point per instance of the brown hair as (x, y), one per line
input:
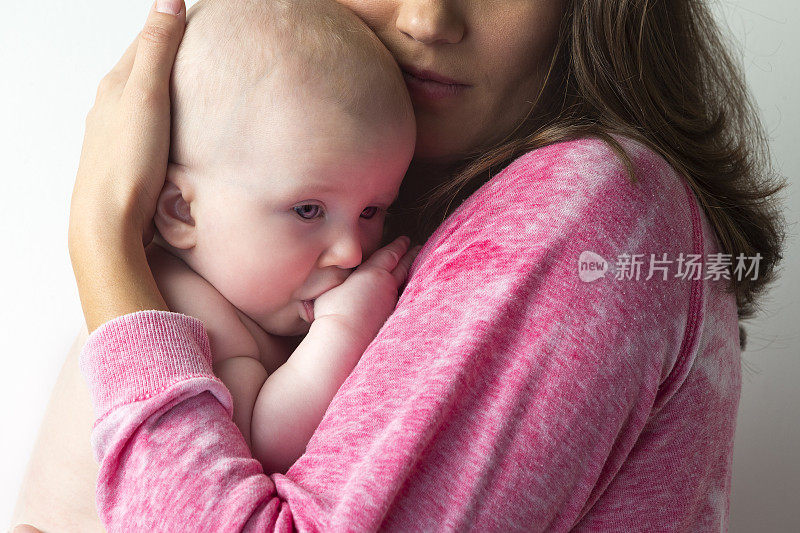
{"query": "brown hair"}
(661, 72)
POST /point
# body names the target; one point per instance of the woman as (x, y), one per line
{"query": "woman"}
(504, 392)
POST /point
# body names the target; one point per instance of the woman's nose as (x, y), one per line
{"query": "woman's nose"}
(344, 252)
(430, 21)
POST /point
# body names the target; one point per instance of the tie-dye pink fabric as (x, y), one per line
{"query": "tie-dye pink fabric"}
(503, 393)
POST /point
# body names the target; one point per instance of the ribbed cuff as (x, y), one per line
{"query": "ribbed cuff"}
(134, 356)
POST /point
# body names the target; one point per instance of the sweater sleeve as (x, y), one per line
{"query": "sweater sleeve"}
(505, 392)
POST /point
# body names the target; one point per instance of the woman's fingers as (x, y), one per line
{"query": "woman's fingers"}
(159, 27)
(125, 63)
(114, 81)
(157, 46)
(126, 142)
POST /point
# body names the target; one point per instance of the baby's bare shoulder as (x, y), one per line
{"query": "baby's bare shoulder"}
(187, 292)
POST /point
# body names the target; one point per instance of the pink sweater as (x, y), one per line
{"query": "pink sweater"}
(504, 393)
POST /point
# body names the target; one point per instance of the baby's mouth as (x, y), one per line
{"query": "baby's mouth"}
(309, 307)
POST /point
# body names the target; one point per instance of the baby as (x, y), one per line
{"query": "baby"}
(291, 132)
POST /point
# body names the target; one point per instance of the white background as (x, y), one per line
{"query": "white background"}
(52, 55)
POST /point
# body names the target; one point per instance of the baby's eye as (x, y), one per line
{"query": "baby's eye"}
(307, 209)
(372, 210)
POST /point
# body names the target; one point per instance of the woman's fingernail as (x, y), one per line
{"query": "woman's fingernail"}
(171, 7)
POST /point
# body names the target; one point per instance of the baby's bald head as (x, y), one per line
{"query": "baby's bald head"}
(242, 61)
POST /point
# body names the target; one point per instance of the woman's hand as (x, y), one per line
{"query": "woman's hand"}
(121, 173)
(369, 295)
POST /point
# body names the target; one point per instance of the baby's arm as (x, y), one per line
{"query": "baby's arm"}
(277, 414)
(244, 376)
(347, 319)
(294, 398)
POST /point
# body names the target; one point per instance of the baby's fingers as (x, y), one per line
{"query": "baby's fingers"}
(394, 258)
(389, 256)
(400, 272)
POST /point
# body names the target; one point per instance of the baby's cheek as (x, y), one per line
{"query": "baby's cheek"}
(264, 284)
(372, 240)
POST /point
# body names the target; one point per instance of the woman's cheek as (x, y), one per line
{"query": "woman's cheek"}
(372, 12)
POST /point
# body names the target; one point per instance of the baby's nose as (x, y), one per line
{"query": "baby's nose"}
(345, 252)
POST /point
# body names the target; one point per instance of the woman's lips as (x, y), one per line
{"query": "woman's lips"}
(308, 305)
(429, 86)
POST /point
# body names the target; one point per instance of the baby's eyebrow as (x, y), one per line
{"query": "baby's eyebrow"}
(320, 186)
(387, 199)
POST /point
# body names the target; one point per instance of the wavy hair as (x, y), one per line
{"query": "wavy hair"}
(661, 72)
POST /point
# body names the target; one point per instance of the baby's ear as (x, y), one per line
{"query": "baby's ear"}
(173, 216)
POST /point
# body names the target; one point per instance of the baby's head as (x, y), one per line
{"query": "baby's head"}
(291, 132)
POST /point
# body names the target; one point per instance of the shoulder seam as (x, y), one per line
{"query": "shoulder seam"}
(696, 295)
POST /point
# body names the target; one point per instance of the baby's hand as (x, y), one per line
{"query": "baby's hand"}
(368, 296)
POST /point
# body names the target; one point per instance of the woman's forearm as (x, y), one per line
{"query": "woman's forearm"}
(112, 274)
(58, 490)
